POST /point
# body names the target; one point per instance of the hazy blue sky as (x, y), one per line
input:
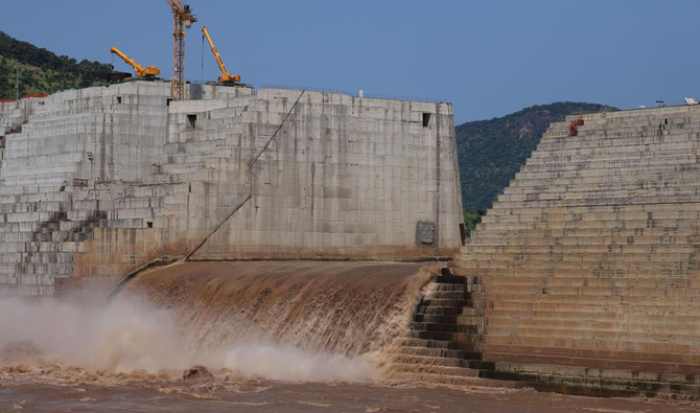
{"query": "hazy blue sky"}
(489, 57)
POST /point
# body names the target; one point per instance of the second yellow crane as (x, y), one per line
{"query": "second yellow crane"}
(225, 77)
(148, 72)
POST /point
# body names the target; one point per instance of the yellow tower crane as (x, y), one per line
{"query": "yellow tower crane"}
(148, 72)
(225, 77)
(182, 19)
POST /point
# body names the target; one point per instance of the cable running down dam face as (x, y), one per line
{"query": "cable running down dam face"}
(98, 181)
(302, 216)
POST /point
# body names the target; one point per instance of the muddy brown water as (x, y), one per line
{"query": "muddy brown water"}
(277, 336)
(347, 308)
(315, 397)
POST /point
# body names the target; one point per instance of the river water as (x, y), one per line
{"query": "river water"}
(283, 397)
(275, 336)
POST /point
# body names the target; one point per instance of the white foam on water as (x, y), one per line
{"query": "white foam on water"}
(129, 334)
(287, 363)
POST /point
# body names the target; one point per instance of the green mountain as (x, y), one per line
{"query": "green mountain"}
(41, 71)
(492, 151)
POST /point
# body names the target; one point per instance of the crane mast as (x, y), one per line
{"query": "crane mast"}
(144, 72)
(225, 76)
(182, 19)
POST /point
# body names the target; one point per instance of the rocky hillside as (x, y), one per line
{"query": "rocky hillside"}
(41, 71)
(492, 151)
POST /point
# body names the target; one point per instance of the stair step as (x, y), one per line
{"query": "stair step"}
(481, 365)
(431, 318)
(441, 370)
(449, 279)
(442, 327)
(465, 359)
(417, 342)
(448, 287)
(454, 380)
(445, 302)
(440, 310)
(430, 352)
(447, 295)
(429, 361)
(431, 335)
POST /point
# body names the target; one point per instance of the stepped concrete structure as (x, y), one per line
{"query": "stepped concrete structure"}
(98, 181)
(588, 262)
(440, 345)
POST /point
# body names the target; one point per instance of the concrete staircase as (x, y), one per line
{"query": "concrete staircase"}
(46, 231)
(589, 259)
(39, 235)
(441, 347)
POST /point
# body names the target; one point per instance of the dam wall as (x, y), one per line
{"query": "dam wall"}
(98, 181)
(589, 259)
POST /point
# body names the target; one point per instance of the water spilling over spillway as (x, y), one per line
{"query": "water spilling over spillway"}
(278, 320)
(347, 308)
(98, 182)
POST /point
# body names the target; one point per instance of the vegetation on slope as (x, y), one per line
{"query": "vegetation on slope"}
(492, 151)
(42, 71)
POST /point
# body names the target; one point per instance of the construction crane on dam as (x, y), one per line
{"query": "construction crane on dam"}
(225, 77)
(147, 72)
(182, 19)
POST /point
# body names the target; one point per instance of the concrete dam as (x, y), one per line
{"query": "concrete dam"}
(588, 261)
(282, 221)
(96, 182)
(324, 221)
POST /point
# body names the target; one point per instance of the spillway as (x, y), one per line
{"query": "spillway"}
(339, 307)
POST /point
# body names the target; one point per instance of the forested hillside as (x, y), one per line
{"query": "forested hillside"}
(41, 71)
(492, 151)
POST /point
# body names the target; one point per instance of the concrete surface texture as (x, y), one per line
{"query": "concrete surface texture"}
(95, 182)
(589, 259)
